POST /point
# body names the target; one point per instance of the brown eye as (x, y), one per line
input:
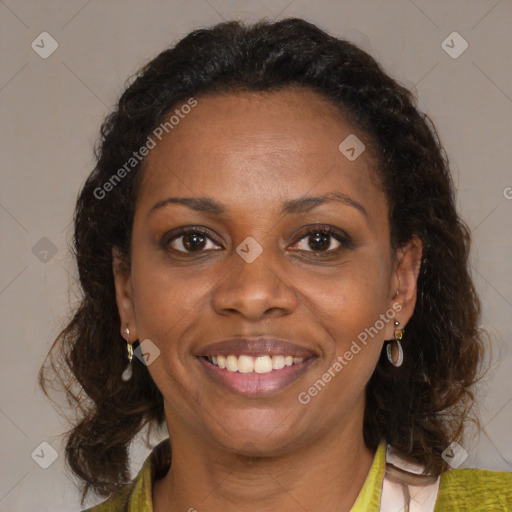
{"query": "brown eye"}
(192, 242)
(322, 239)
(189, 240)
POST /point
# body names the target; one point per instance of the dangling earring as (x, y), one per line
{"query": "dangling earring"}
(127, 374)
(398, 336)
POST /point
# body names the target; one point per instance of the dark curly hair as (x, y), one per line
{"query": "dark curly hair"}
(419, 408)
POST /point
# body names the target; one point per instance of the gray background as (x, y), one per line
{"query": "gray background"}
(51, 112)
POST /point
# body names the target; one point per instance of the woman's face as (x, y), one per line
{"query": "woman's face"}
(257, 263)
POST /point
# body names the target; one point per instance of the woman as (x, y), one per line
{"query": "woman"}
(272, 263)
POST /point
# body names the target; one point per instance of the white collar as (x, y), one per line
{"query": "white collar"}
(423, 497)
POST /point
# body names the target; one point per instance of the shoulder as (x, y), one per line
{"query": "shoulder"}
(117, 502)
(136, 496)
(474, 490)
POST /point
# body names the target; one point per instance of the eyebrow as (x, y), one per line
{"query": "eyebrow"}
(300, 205)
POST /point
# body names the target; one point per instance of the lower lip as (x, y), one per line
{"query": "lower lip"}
(257, 384)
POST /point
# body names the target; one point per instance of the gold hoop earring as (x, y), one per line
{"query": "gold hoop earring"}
(398, 336)
(127, 373)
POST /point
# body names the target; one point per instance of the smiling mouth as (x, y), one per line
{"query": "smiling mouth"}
(248, 364)
(255, 376)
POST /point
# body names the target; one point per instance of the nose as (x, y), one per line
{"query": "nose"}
(254, 290)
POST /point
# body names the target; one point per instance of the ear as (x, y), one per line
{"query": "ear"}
(124, 294)
(404, 279)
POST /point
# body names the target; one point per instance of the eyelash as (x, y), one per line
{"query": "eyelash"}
(339, 236)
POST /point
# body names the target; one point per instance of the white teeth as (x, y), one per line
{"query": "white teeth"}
(277, 362)
(262, 364)
(231, 364)
(248, 364)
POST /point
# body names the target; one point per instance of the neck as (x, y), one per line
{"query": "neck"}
(326, 475)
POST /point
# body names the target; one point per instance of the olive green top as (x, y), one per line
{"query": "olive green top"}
(460, 490)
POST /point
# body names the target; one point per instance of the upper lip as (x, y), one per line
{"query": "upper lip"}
(254, 346)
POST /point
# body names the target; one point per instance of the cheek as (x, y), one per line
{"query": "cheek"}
(350, 298)
(164, 299)
(347, 311)
(166, 306)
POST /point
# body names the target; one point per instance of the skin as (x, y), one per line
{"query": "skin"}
(252, 152)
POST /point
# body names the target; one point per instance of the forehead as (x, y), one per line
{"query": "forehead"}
(248, 145)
